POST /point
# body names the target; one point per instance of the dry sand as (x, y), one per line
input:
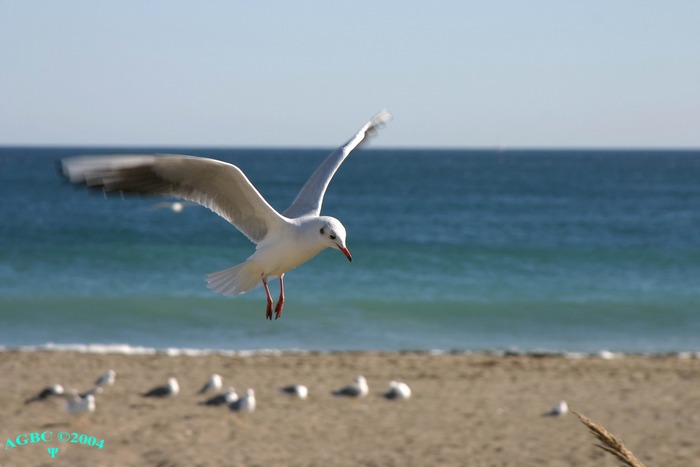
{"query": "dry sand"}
(471, 410)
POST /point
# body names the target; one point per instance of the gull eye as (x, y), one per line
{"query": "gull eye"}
(323, 231)
(332, 236)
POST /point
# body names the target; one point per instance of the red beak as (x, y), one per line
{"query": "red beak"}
(346, 252)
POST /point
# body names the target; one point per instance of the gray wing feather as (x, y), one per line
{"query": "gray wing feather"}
(217, 185)
(310, 198)
(352, 391)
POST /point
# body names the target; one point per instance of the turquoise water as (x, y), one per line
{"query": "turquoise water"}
(466, 250)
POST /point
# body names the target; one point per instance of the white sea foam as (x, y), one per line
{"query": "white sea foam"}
(101, 349)
(127, 349)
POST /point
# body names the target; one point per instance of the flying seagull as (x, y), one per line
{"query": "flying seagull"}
(284, 241)
(175, 206)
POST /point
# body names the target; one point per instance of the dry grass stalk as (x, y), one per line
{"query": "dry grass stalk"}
(610, 443)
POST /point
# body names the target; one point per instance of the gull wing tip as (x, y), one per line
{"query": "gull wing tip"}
(377, 122)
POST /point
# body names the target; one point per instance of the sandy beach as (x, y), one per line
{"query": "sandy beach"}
(471, 410)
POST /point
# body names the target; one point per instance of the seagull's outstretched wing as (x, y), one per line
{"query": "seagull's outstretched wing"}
(310, 198)
(217, 185)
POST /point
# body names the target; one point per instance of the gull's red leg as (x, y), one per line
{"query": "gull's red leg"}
(268, 311)
(280, 302)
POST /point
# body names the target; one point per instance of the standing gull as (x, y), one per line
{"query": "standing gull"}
(107, 379)
(357, 389)
(213, 384)
(50, 391)
(245, 404)
(296, 390)
(227, 397)
(284, 241)
(77, 404)
(170, 389)
(561, 409)
(398, 390)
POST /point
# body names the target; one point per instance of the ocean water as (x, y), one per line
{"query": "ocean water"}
(452, 250)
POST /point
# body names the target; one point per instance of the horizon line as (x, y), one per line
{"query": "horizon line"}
(493, 148)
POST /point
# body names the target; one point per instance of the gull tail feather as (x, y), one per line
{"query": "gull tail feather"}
(234, 281)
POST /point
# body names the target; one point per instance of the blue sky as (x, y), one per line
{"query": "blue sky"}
(309, 73)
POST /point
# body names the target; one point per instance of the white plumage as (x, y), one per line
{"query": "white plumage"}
(245, 403)
(296, 390)
(167, 390)
(76, 405)
(107, 379)
(562, 408)
(214, 383)
(358, 388)
(398, 390)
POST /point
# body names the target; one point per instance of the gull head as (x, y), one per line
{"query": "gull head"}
(173, 386)
(332, 234)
